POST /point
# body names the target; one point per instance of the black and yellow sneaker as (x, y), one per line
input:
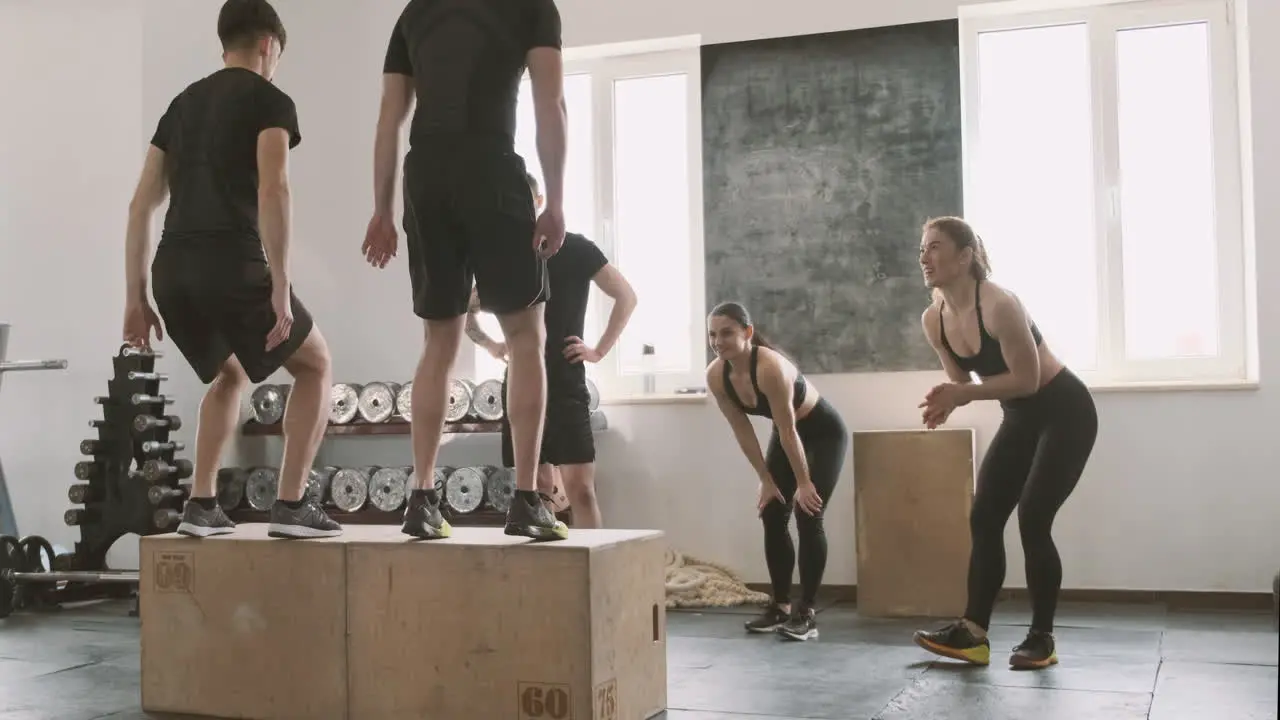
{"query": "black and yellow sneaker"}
(1035, 652)
(422, 518)
(957, 642)
(802, 625)
(768, 621)
(530, 518)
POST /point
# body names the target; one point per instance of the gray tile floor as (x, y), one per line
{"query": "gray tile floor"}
(1117, 663)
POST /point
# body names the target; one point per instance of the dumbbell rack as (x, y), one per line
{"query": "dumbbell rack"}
(130, 485)
(373, 516)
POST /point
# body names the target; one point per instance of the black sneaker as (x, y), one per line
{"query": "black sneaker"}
(802, 625)
(532, 519)
(199, 521)
(770, 620)
(308, 521)
(1035, 652)
(422, 518)
(957, 642)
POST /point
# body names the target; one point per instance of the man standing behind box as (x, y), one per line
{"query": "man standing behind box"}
(568, 445)
(468, 214)
(221, 152)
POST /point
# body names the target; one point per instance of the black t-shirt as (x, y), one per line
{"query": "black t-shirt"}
(210, 138)
(467, 58)
(570, 272)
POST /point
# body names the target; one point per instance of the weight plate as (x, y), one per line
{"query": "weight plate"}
(37, 553)
(11, 556)
(464, 489)
(598, 421)
(319, 481)
(486, 402)
(231, 487)
(377, 401)
(459, 401)
(387, 489)
(345, 399)
(266, 403)
(261, 488)
(349, 489)
(593, 396)
(404, 401)
(500, 488)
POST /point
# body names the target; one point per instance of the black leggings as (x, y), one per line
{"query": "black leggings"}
(1033, 463)
(825, 440)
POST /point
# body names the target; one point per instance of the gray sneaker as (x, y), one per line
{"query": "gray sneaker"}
(199, 522)
(308, 521)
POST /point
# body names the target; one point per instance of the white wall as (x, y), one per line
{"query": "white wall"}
(70, 145)
(1163, 505)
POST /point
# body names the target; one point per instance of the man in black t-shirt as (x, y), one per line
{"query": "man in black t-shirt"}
(468, 217)
(221, 269)
(568, 445)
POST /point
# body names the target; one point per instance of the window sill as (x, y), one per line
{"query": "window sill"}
(1115, 386)
(655, 399)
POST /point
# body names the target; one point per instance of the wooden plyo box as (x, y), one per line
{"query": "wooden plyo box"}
(373, 625)
(913, 491)
(244, 626)
(484, 625)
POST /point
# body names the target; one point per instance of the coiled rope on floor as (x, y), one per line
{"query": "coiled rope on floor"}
(693, 583)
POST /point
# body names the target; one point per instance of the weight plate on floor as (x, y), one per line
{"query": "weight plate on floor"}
(387, 488)
(486, 402)
(599, 421)
(464, 489)
(345, 399)
(349, 489)
(231, 487)
(499, 488)
(593, 396)
(266, 403)
(459, 401)
(261, 487)
(377, 401)
(404, 401)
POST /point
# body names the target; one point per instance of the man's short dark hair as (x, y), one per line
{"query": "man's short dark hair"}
(241, 23)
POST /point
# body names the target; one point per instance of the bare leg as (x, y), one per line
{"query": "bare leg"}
(219, 414)
(526, 390)
(306, 415)
(431, 394)
(580, 487)
(526, 408)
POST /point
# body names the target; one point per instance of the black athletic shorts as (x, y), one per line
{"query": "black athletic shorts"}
(214, 296)
(469, 216)
(566, 434)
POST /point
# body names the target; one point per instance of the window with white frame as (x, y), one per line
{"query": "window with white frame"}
(1103, 172)
(633, 185)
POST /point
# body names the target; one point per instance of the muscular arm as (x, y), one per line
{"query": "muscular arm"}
(150, 192)
(779, 389)
(1007, 322)
(474, 331)
(612, 283)
(933, 332)
(397, 103)
(738, 422)
(546, 72)
(275, 204)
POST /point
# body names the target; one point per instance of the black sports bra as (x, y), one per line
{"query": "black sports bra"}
(762, 403)
(988, 361)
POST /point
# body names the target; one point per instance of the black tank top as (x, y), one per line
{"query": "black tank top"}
(988, 361)
(762, 403)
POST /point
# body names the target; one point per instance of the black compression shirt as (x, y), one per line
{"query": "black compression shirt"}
(466, 58)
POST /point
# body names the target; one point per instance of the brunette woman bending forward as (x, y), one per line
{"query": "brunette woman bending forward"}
(797, 474)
